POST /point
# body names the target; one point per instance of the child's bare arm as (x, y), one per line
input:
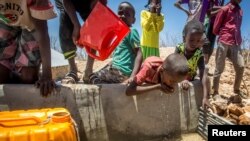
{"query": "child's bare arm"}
(159, 23)
(41, 35)
(134, 89)
(213, 11)
(146, 22)
(205, 84)
(178, 5)
(138, 61)
(218, 21)
(71, 11)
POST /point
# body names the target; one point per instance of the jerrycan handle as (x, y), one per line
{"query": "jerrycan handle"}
(12, 122)
(109, 42)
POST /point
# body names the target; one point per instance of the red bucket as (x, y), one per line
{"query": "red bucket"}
(102, 31)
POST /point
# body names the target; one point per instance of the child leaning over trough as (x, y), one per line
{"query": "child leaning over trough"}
(193, 39)
(159, 74)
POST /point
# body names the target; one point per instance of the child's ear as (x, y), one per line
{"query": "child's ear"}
(183, 38)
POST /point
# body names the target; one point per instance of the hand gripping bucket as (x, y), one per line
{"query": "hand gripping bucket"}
(102, 31)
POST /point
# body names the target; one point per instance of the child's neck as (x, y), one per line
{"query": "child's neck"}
(189, 54)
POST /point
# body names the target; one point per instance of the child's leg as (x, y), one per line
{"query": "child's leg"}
(27, 59)
(8, 47)
(88, 68)
(108, 74)
(65, 35)
(5, 74)
(29, 75)
(206, 50)
(238, 62)
(211, 37)
(221, 54)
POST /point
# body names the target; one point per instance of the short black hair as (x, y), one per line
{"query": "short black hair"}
(128, 3)
(193, 25)
(147, 5)
(176, 64)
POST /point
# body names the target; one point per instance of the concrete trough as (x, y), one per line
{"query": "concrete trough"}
(105, 113)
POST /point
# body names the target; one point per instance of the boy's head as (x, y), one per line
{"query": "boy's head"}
(174, 69)
(153, 2)
(151, 5)
(126, 12)
(193, 35)
(104, 2)
(236, 1)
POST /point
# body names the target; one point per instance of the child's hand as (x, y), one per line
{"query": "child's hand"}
(188, 13)
(46, 86)
(167, 89)
(206, 104)
(158, 9)
(152, 8)
(129, 80)
(185, 85)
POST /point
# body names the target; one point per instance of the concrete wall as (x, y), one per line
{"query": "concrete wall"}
(109, 115)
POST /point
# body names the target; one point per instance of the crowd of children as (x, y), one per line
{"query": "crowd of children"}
(25, 45)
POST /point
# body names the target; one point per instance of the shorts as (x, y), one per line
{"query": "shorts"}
(18, 48)
(206, 48)
(211, 38)
(65, 31)
(108, 75)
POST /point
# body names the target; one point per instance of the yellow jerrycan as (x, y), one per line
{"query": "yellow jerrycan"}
(38, 125)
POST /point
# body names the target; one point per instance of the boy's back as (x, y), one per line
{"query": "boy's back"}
(124, 55)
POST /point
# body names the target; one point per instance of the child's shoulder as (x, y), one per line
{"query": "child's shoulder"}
(134, 31)
(145, 12)
(153, 59)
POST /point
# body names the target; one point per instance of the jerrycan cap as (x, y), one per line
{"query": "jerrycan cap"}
(60, 117)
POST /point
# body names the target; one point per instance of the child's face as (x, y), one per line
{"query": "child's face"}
(125, 13)
(193, 40)
(169, 79)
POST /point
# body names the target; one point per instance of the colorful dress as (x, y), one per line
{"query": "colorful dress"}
(18, 47)
(152, 24)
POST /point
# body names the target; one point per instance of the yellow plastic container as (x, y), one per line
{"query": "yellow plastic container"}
(37, 125)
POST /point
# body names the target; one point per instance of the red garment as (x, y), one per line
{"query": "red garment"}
(149, 71)
(228, 23)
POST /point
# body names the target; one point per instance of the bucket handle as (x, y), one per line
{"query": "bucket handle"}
(4, 122)
(110, 48)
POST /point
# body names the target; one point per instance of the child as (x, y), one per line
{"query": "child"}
(161, 75)
(69, 31)
(127, 57)
(227, 25)
(194, 9)
(193, 40)
(213, 9)
(152, 23)
(24, 43)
